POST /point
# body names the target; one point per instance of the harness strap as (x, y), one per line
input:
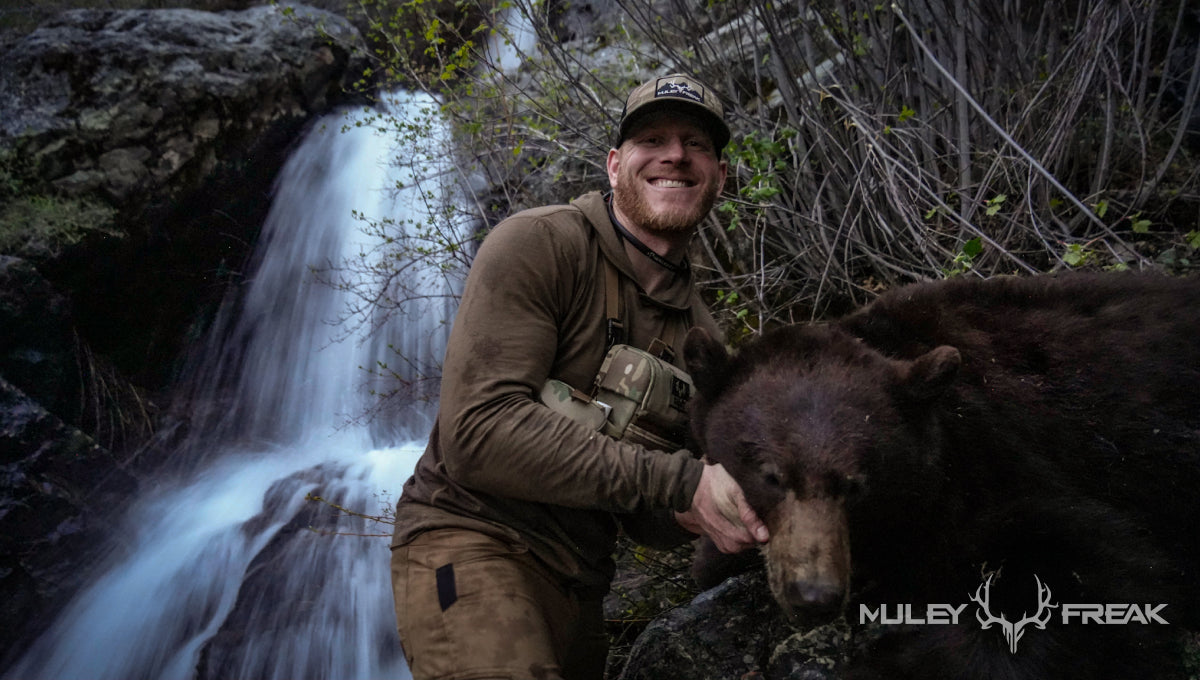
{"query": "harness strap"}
(614, 329)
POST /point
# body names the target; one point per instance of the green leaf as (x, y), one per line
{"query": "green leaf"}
(1075, 255)
(1193, 239)
(1141, 226)
(905, 114)
(973, 247)
(994, 204)
(1101, 208)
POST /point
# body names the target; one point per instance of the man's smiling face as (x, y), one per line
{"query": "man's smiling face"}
(666, 175)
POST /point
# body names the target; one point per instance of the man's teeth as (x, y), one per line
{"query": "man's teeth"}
(670, 183)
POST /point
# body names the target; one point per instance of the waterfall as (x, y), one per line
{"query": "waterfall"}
(214, 573)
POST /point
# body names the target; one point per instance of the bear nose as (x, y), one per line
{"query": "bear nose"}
(815, 600)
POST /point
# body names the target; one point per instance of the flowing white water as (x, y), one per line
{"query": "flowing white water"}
(214, 575)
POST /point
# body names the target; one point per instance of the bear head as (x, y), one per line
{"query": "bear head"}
(819, 430)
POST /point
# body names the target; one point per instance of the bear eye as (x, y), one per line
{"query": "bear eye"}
(772, 476)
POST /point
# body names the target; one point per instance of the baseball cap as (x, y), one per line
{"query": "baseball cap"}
(675, 91)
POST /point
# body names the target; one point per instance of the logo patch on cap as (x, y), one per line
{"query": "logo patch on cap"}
(682, 89)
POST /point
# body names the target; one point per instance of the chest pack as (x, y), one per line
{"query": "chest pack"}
(638, 395)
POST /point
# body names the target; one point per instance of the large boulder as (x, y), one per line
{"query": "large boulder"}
(143, 145)
(130, 103)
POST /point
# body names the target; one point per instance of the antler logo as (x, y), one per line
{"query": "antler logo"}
(1013, 631)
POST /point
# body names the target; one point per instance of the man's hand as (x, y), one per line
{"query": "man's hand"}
(719, 511)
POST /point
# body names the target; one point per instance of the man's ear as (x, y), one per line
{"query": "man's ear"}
(613, 164)
(707, 362)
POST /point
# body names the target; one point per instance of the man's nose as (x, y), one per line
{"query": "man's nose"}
(675, 151)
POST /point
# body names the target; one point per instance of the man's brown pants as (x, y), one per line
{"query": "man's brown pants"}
(470, 607)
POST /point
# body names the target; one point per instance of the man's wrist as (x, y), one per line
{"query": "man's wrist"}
(688, 522)
(692, 471)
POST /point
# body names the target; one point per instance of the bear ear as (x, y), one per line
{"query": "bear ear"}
(707, 362)
(932, 373)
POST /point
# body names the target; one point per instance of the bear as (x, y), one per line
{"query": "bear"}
(991, 478)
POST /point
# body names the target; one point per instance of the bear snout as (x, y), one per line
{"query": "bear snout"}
(808, 558)
(819, 602)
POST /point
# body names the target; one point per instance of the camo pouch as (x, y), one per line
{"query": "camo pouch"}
(646, 398)
(636, 397)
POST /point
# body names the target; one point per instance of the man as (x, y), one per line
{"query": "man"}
(504, 533)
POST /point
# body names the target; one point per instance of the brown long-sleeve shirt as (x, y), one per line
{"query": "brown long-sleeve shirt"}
(499, 461)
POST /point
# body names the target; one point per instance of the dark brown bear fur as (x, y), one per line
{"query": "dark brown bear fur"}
(1045, 431)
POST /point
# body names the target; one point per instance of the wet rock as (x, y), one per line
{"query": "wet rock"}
(53, 480)
(735, 631)
(36, 353)
(726, 632)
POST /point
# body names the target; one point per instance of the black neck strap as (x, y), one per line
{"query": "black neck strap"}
(642, 248)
